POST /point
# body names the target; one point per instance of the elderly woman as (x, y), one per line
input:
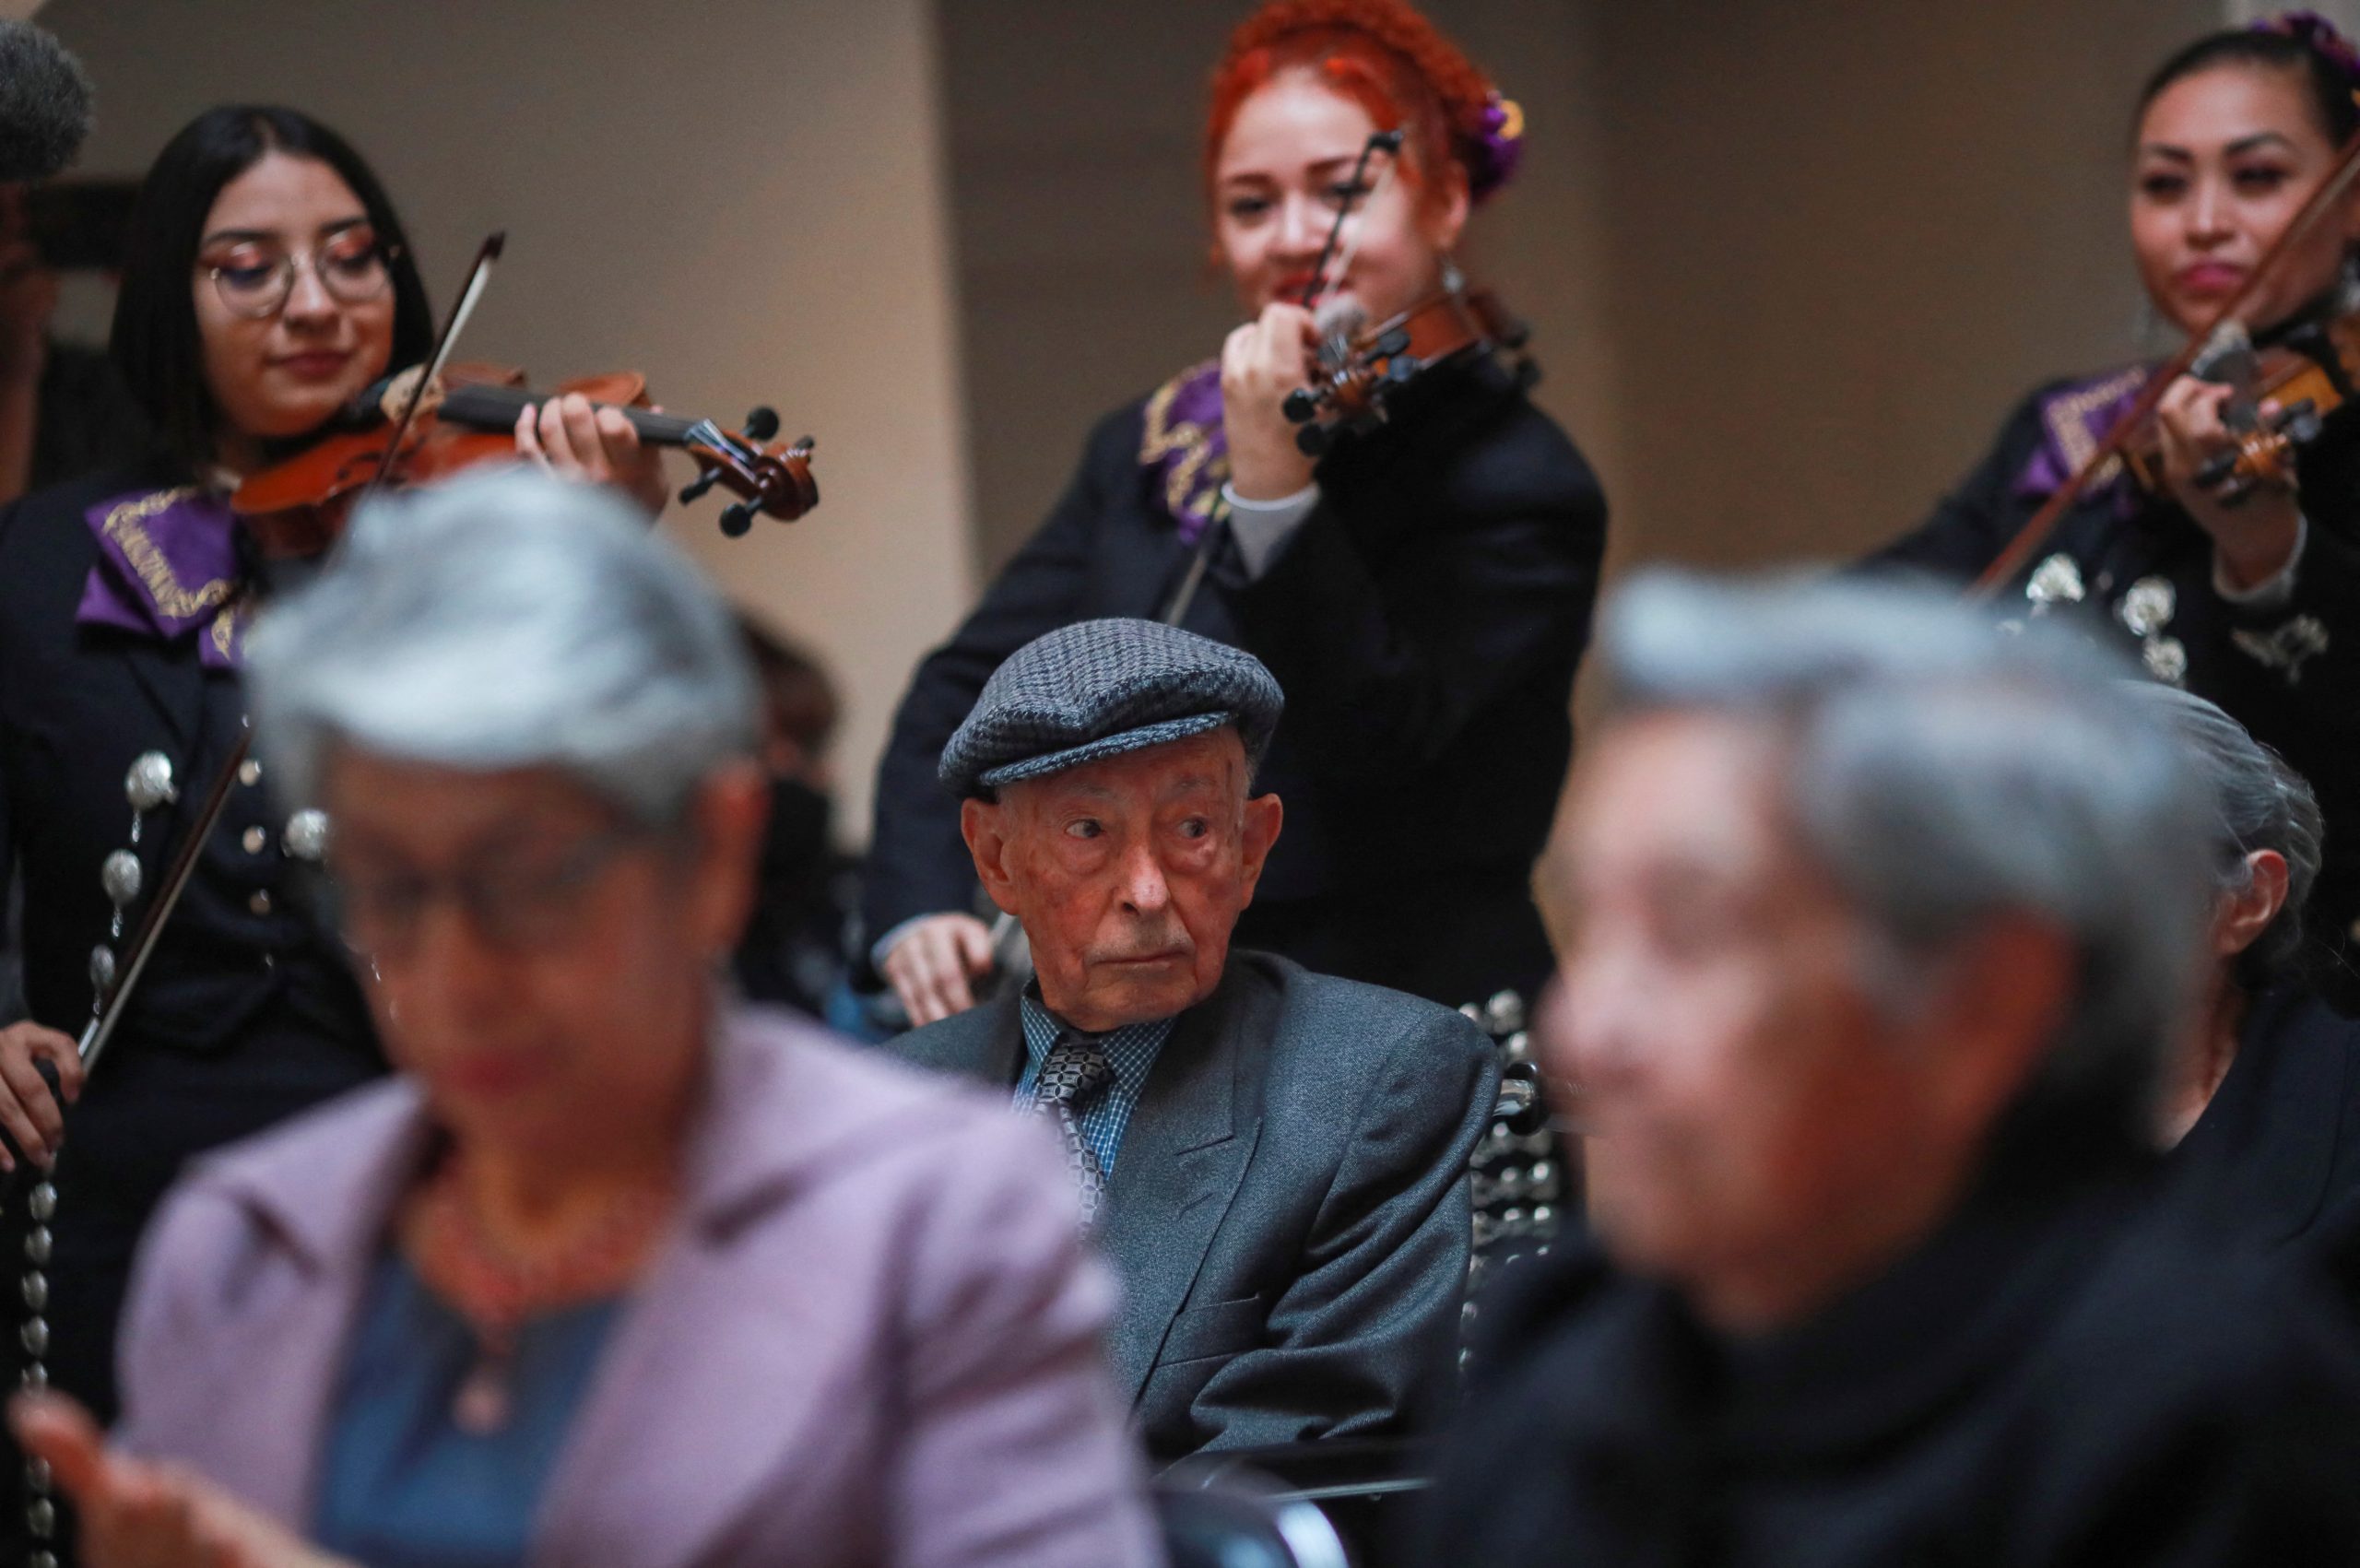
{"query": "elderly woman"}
(1882, 927)
(614, 1271)
(2264, 1106)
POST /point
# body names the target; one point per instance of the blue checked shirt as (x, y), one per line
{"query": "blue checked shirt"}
(1131, 1051)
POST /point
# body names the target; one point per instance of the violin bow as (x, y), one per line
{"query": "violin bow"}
(1390, 141)
(109, 1009)
(479, 277)
(2029, 539)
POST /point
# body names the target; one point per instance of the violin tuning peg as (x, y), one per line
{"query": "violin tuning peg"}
(761, 423)
(696, 487)
(737, 519)
(1313, 441)
(1300, 406)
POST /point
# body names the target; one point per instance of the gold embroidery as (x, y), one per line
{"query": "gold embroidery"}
(125, 524)
(227, 628)
(1199, 476)
(2067, 426)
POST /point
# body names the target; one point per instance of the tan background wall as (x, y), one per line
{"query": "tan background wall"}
(741, 197)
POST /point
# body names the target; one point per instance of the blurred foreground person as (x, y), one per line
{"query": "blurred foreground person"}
(1277, 1159)
(2263, 1105)
(1880, 929)
(613, 1272)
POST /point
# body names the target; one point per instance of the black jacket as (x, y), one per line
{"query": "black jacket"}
(2065, 1375)
(1288, 1211)
(2257, 664)
(1424, 622)
(248, 1012)
(2274, 1160)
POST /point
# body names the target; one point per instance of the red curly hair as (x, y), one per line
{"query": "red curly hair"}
(1380, 53)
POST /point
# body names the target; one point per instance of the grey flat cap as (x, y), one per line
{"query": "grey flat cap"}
(1102, 688)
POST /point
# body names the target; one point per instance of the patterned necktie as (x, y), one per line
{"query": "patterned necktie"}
(1073, 1075)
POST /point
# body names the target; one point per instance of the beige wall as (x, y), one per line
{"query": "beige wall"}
(741, 197)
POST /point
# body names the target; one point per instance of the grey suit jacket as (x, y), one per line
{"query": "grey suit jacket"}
(1289, 1209)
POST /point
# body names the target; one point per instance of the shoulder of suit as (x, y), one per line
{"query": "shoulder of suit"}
(45, 533)
(1354, 1023)
(948, 1045)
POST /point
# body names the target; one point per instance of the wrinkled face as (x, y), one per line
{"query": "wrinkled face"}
(1284, 173)
(282, 373)
(2224, 159)
(1744, 1101)
(1128, 874)
(541, 967)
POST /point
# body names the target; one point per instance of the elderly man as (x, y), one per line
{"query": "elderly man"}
(1275, 1160)
(1876, 928)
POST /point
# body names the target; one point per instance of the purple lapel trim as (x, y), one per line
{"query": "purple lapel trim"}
(168, 568)
(2073, 420)
(1185, 447)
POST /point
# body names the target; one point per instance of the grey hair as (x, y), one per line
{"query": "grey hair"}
(1944, 774)
(2258, 803)
(508, 620)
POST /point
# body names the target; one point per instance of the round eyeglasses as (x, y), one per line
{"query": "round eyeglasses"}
(353, 273)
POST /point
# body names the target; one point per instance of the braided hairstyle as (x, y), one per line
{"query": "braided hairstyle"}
(1396, 64)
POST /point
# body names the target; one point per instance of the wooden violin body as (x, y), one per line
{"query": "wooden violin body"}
(1356, 375)
(298, 506)
(2307, 373)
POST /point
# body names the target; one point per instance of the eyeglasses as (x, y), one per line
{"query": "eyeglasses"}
(353, 269)
(512, 907)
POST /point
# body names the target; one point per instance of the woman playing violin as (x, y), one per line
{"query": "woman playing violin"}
(1422, 591)
(269, 279)
(2247, 595)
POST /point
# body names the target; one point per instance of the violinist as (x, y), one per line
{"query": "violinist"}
(1422, 591)
(2248, 595)
(268, 280)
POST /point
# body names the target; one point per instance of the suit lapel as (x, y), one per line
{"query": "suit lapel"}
(1182, 1158)
(174, 683)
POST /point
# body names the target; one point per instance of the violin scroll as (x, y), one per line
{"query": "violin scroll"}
(769, 479)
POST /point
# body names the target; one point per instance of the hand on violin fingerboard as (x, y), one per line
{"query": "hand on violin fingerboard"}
(570, 436)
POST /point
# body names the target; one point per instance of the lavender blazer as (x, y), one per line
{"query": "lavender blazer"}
(871, 1339)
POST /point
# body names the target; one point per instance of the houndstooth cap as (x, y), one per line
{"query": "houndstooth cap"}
(1099, 689)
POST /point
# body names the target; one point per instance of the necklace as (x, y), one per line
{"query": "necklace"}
(497, 1290)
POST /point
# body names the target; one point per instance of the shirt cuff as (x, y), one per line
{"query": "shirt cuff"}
(1262, 527)
(2276, 592)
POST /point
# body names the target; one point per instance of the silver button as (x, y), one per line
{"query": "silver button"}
(259, 903)
(149, 783)
(120, 875)
(253, 839)
(250, 772)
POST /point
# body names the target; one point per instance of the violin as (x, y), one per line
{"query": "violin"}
(1358, 368)
(2264, 451)
(469, 415)
(2307, 372)
(1357, 371)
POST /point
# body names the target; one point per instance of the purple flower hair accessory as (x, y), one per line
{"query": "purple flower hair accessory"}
(1498, 146)
(2319, 36)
